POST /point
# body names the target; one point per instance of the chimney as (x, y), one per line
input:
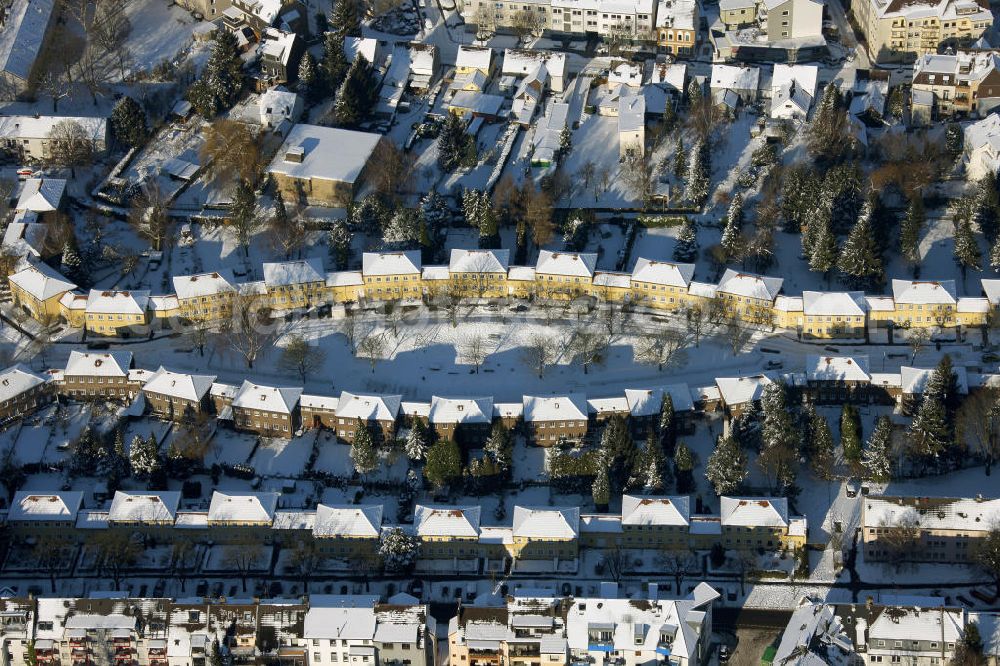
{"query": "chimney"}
(295, 154)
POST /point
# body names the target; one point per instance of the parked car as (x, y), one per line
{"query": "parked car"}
(991, 358)
(774, 365)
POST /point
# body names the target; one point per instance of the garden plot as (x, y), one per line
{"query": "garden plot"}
(176, 143)
(159, 31)
(276, 456)
(250, 557)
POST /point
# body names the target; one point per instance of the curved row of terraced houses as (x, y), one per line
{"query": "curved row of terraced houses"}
(486, 274)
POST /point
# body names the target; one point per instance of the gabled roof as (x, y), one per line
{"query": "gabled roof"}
(653, 510)
(179, 385)
(913, 380)
(368, 407)
(576, 264)
(461, 410)
(435, 520)
(140, 507)
(41, 195)
(837, 368)
(992, 290)
(303, 271)
(571, 407)
(924, 291)
(741, 390)
(477, 57)
(277, 399)
(108, 364)
(662, 272)
(41, 282)
(734, 77)
(348, 520)
(23, 36)
(479, 261)
(834, 303)
(750, 284)
(242, 507)
(17, 379)
(42, 505)
(546, 523)
(754, 511)
(391, 263)
(117, 302)
(204, 284)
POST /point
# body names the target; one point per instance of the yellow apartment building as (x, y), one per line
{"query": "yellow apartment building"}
(392, 276)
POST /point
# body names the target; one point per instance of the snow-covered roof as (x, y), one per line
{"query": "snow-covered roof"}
(423, 58)
(144, 507)
(521, 62)
(631, 113)
(803, 76)
(179, 385)
(355, 621)
(17, 379)
(662, 272)
(918, 624)
(39, 127)
(391, 263)
(435, 273)
(223, 390)
(41, 282)
(455, 521)
(23, 35)
(204, 284)
(741, 390)
(25, 237)
(41, 195)
(655, 510)
(242, 507)
(117, 302)
(366, 46)
(734, 77)
(837, 368)
(644, 402)
(108, 364)
(969, 304)
(474, 57)
(754, 511)
(521, 274)
(932, 513)
(44, 505)
(924, 291)
(368, 407)
(670, 76)
(570, 407)
(612, 279)
(880, 303)
(344, 279)
(461, 410)
(479, 261)
(507, 410)
(546, 523)
(348, 520)
(702, 289)
(913, 380)
(327, 153)
(612, 405)
(307, 401)
(639, 625)
(276, 399)
(833, 303)
(302, 271)
(574, 264)
(750, 285)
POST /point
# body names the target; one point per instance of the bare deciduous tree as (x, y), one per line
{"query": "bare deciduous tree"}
(391, 169)
(588, 346)
(979, 422)
(243, 555)
(899, 539)
(372, 347)
(662, 347)
(150, 218)
(302, 358)
(232, 150)
(736, 334)
(248, 331)
(475, 348)
(540, 351)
